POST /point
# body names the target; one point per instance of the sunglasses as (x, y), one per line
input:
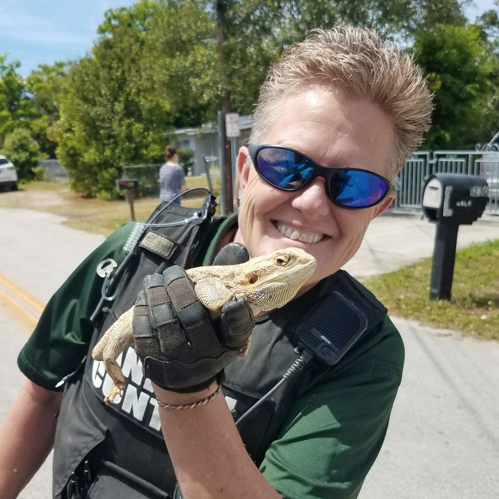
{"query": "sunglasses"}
(290, 170)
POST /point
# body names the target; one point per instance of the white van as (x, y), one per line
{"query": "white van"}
(8, 174)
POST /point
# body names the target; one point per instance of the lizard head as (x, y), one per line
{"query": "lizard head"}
(271, 281)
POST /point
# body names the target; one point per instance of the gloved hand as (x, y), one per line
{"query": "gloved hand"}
(182, 349)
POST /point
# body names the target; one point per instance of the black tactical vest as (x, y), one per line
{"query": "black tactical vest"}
(117, 450)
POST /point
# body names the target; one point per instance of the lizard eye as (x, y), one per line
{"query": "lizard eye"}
(253, 279)
(281, 260)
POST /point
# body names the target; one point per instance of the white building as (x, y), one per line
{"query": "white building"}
(203, 141)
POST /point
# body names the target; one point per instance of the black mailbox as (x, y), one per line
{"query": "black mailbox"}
(450, 200)
(454, 199)
(126, 183)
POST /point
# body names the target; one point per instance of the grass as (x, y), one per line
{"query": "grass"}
(474, 306)
(91, 215)
(473, 309)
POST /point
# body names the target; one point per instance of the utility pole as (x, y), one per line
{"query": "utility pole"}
(226, 174)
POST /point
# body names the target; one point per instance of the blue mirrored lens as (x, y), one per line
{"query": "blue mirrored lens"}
(356, 188)
(290, 170)
(283, 168)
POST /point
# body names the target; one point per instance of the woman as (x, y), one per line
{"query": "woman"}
(171, 177)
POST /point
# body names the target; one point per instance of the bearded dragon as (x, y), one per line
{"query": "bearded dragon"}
(265, 282)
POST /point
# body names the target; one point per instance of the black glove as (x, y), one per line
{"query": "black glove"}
(232, 254)
(182, 349)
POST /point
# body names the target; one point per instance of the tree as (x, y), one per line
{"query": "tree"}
(110, 114)
(156, 67)
(426, 14)
(182, 50)
(16, 109)
(23, 151)
(459, 66)
(45, 86)
(181, 59)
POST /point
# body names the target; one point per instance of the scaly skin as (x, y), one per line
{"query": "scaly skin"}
(265, 282)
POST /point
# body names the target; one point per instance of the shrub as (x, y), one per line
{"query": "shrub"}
(23, 151)
(186, 159)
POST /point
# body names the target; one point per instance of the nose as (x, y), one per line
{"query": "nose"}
(312, 199)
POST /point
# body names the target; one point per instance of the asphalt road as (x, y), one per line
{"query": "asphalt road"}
(36, 252)
(443, 439)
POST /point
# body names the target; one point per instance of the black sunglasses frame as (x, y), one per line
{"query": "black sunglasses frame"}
(326, 172)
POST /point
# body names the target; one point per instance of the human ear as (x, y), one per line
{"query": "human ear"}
(380, 208)
(243, 165)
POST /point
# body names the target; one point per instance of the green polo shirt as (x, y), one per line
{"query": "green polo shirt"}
(332, 433)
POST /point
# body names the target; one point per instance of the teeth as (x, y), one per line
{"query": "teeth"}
(297, 236)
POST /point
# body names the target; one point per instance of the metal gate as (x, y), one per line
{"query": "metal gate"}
(410, 181)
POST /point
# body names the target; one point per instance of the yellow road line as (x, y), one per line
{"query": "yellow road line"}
(31, 300)
(26, 320)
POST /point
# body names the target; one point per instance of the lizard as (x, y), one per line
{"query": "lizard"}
(265, 282)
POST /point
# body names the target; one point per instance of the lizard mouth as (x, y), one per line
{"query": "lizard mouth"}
(296, 235)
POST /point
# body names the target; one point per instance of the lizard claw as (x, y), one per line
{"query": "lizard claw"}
(115, 390)
(244, 350)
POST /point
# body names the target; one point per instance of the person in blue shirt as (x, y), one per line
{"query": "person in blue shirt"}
(171, 177)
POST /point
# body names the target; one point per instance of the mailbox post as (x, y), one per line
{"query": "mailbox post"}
(450, 200)
(128, 185)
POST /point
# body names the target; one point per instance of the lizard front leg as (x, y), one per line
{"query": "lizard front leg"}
(214, 295)
(118, 337)
(211, 293)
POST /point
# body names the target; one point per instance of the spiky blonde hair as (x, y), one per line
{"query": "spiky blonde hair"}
(359, 64)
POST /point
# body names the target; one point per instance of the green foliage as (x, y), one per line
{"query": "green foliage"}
(489, 23)
(39, 175)
(23, 151)
(181, 59)
(110, 114)
(257, 32)
(459, 67)
(156, 66)
(31, 104)
(426, 14)
(186, 159)
(16, 109)
(182, 53)
(45, 86)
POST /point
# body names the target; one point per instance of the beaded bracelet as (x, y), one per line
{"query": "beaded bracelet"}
(204, 401)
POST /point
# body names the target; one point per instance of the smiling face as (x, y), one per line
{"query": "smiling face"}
(334, 131)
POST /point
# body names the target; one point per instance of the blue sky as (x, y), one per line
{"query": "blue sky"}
(44, 31)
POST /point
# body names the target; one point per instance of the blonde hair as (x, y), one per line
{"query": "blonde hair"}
(359, 64)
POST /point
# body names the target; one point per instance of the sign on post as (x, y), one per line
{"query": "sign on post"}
(232, 124)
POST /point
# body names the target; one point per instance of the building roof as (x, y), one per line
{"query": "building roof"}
(245, 123)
